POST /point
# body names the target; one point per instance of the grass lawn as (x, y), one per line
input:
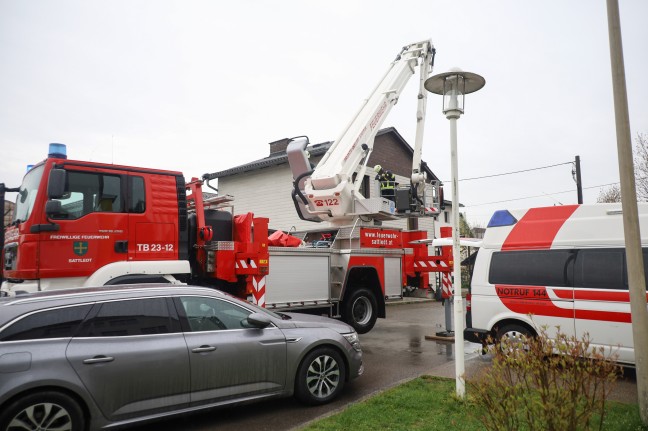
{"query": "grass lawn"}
(429, 403)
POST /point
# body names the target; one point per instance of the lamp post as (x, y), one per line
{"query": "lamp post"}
(453, 86)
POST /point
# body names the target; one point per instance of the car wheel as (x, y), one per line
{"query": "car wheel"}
(513, 336)
(320, 376)
(47, 411)
(361, 310)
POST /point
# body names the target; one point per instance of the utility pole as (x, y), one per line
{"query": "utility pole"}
(634, 256)
(579, 184)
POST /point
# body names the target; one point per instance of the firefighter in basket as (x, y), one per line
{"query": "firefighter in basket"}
(387, 182)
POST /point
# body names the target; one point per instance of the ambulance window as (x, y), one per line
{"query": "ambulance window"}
(530, 268)
(137, 201)
(600, 269)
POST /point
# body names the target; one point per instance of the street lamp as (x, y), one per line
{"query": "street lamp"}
(454, 86)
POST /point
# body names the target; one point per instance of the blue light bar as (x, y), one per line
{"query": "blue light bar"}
(58, 151)
(502, 218)
(29, 167)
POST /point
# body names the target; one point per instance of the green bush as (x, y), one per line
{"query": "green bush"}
(546, 384)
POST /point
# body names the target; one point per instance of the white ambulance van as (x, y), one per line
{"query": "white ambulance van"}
(555, 267)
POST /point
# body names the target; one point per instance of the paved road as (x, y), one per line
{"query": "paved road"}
(395, 350)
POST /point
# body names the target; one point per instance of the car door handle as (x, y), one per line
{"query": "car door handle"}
(202, 349)
(98, 359)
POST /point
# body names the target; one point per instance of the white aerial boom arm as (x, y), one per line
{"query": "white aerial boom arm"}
(331, 191)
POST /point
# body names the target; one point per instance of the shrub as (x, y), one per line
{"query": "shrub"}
(546, 384)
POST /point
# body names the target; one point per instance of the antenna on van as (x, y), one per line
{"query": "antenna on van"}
(551, 197)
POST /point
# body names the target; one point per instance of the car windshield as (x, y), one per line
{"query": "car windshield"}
(27, 194)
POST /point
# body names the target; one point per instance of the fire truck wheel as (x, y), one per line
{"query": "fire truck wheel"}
(513, 336)
(320, 376)
(360, 310)
(43, 411)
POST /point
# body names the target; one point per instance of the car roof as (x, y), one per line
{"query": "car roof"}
(11, 307)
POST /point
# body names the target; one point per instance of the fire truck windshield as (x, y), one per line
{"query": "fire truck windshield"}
(27, 194)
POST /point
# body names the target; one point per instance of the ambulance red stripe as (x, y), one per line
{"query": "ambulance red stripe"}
(605, 316)
(594, 295)
(539, 307)
(538, 228)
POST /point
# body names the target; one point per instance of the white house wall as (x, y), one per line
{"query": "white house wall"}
(267, 193)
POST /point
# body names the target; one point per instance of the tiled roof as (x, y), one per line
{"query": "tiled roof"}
(273, 159)
(315, 150)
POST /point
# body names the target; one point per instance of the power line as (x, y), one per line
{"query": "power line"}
(519, 199)
(538, 196)
(516, 172)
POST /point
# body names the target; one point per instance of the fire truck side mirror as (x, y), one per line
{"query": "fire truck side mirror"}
(53, 208)
(56, 184)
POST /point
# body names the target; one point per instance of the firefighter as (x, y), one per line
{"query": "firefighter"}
(387, 182)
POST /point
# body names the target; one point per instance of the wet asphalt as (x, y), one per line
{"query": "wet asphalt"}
(396, 350)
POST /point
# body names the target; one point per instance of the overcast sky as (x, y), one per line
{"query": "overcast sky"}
(202, 86)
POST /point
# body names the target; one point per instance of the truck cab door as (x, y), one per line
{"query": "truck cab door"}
(154, 215)
(92, 229)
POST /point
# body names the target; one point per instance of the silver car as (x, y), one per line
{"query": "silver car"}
(104, 357)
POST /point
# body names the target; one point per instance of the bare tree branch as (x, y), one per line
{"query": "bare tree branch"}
(609, 194)
(613, 193)
(641, 166)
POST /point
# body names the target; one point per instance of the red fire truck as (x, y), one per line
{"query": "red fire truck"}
(80, 223)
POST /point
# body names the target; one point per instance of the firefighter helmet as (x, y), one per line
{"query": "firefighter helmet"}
(377, 168)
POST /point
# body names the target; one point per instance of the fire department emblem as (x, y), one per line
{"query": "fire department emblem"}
(80, 247)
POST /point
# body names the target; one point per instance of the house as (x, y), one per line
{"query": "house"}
(264, 186)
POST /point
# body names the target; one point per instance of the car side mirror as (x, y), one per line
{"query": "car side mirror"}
(258, 320)
(56, 184)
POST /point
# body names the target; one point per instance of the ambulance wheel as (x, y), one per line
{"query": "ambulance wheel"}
(513, 336)
(360, 310)
(320, 377)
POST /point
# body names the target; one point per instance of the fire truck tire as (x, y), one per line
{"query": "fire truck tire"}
(360, 310)
(43, 411)
(320, 376)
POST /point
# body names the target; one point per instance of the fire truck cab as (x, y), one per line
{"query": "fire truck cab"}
(89, 224)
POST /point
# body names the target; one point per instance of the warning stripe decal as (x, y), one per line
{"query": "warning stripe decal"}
(594, 295)
(542, 301)
(538, 228)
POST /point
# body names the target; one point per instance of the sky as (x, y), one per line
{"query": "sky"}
(202, 86)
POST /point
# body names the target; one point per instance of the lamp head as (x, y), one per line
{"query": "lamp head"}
(453, 86)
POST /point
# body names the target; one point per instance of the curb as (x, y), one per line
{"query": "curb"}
(409, 300)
